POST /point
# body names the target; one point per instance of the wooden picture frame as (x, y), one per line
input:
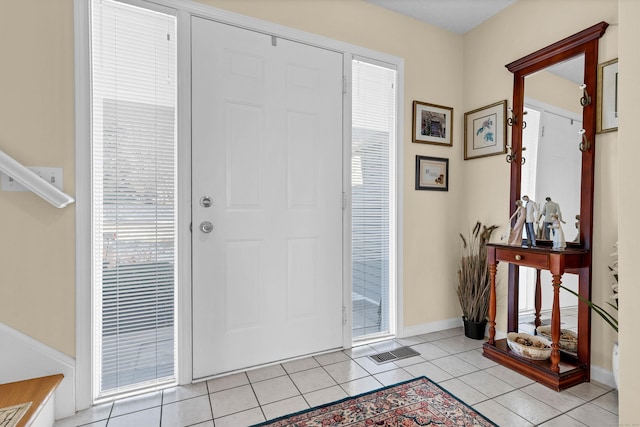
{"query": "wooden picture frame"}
(432, 173)
(432, 124)
(607, 105)
(485, 131)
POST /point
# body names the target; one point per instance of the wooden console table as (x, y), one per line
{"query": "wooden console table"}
(563, 369)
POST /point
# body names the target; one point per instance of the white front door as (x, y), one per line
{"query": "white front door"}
(267, 153)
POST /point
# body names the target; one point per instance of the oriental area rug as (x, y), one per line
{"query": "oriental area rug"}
(418, 402)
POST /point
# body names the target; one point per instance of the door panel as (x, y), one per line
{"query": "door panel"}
(267, 150)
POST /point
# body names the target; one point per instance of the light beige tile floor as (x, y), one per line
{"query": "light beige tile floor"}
(447, 358)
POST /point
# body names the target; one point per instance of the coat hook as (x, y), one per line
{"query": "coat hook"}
(511, 121)
(586, 99)
(584, 145)
(511, 156)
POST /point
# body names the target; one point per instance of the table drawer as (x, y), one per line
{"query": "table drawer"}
(524, 258)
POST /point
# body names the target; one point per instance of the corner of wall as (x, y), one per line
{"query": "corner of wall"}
(23, 358)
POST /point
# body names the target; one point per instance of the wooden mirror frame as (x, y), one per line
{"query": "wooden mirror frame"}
(585, 42)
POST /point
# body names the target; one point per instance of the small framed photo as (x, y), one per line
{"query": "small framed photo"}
(607, 105)
(432, 124)
(432, 173)
(485, 131)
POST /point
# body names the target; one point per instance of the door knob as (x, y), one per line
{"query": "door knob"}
(206, 227)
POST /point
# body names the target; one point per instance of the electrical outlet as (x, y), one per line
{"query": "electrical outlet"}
(53, 175)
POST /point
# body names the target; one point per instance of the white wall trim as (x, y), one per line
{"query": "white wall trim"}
(425, 328)
(184, 317)
(23, 357)
(347, 278)
(84, 301)
(400, 329)
(603, 376)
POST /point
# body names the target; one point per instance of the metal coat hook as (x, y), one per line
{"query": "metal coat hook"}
(584, 145)
(513, 120)
(586, 99)
(512, 156)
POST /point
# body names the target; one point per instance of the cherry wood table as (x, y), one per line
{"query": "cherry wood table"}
(563, 369)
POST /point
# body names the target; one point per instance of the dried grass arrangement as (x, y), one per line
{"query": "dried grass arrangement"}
(473, 275)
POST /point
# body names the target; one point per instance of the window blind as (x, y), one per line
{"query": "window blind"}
(133, 55)
(373, 195)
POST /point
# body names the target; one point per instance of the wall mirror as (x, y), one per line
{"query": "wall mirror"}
(553, 146)
(558, 129)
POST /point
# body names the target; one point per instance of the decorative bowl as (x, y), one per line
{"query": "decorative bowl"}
(529, 346)
(568, 338)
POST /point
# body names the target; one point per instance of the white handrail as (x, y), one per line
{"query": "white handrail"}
(33, 182)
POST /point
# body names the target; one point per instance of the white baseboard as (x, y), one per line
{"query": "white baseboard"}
(23, 357)
(425, 328)
(602, 376)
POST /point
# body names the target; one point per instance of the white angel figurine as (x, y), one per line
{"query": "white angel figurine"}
(558, 235)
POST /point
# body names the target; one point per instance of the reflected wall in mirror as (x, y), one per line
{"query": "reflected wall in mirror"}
(553, 161)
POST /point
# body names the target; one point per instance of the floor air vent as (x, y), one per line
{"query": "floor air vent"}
(390, 356)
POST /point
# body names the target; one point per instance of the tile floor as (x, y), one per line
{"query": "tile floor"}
(447, 357)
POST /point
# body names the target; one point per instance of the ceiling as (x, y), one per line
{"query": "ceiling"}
(458, 16)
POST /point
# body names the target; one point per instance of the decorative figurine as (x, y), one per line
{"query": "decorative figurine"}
(532, 214)
(577, 239)
(550, 207)
(558, 235)
(515, 235)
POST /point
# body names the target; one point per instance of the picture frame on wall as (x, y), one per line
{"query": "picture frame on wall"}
(432, 173)
(432, 124)
(607, 105)
(485, 131)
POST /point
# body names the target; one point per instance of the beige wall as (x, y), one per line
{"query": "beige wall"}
(37, 241)
(523, 28)
(553, 90)
(629, 149)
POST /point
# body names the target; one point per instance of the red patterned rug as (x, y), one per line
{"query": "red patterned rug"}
(418, 402)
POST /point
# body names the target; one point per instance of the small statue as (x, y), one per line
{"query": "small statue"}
(531, 217)
(558, 235)
(515, 234)
(550, 207)
(577, 239)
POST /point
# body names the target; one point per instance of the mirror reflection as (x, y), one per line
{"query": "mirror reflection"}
(551, 173)
(551, 177)
(568, 307)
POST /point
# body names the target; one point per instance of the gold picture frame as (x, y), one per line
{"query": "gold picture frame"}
(607, 105)
(432, 124)
(485, 131)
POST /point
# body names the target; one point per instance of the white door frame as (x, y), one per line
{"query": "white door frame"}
(186, 9)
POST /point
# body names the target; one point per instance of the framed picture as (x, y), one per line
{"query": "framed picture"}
(485, 131)
(607, 106)
(432, 124)
(432, 173)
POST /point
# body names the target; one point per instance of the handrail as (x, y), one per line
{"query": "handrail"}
(33, 182)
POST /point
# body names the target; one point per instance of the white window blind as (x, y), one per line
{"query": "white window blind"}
(373, 198)
(133, 54)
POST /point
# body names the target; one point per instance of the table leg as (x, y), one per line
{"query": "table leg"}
(538, 298)
(555, 324)
(492, 303)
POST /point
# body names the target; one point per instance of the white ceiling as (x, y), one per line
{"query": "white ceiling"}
(458, 16)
